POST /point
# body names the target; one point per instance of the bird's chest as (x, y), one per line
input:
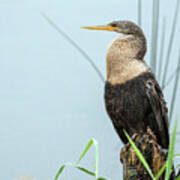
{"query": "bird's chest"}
(127, 100)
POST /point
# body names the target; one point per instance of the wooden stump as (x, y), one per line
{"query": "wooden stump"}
(133, 169)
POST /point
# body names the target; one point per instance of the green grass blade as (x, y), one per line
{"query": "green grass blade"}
(170, 42)
(140, 156)
(73, 43)
(97, 157)
(85, 151)
(85, 170)
(59, 172)
(154, 38)
(163, 34)
(75, 166)
(92, 141)
(176, 155)
(139, 12)
(171, 153)
(161, 171)
(174, 91)
(178, 178)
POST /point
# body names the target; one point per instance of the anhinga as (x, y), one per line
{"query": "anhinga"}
(133, 97)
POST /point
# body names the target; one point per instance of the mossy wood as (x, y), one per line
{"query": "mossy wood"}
(155, 156)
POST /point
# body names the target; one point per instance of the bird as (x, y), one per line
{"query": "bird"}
(133, 98)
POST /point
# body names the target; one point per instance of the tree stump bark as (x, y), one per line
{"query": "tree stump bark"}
(155, 156)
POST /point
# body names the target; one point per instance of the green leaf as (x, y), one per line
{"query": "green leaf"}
(97, 157)
(85, 170)
(161, 171)
(171, 154)
(85, 151)
(178, 178)
(90, 143)
(60, 171)
(176, 155)
(73, 43)
(77, 167)
(140, 156)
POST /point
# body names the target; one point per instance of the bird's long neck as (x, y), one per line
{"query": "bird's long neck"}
(124, 58)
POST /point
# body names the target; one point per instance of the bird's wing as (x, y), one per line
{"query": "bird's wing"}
(158, 106)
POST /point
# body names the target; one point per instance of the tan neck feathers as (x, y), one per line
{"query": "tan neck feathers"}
(121, 60)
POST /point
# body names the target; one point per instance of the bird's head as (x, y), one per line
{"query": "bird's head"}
(124, 27)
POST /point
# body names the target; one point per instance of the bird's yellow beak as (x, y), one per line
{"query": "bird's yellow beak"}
(103, 28)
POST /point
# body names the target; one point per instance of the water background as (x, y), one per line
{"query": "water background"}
(51, 100)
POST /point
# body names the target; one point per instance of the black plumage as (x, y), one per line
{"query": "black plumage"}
(137, 104)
